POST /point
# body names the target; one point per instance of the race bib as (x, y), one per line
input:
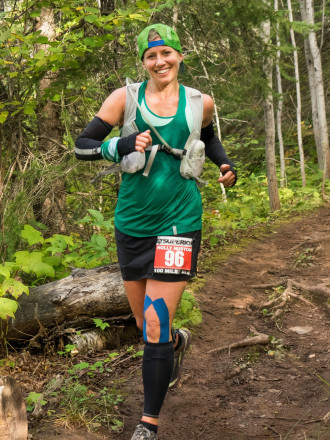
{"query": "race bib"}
(173, 255)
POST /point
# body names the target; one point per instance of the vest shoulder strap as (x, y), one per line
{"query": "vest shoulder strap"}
(129, 127)
(195, 98)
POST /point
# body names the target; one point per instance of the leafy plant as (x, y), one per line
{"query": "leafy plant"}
(81, 406)
(68, 349)
(277, 348)
(136, 354)
(304, 258)
(188, 312)
(33, 399)
(50, 258)
(99, 323)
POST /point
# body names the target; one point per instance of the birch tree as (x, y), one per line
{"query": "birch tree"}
(269, 120)
(279, 103)
(314, 66)
(298, 97)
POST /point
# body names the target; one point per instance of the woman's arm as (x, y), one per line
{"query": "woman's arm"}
(111, 113)
(113, 109)
(90, 145)
(213, 147)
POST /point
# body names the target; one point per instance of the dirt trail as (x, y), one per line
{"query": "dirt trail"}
(252, 394)
(275, 391)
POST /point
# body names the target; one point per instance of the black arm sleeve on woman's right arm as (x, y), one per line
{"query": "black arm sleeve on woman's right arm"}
(88, 144)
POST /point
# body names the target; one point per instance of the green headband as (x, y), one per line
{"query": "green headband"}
(167, 34)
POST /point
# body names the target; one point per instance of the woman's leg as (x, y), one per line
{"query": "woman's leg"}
(171, 294)
(135, 291)
(161, 302)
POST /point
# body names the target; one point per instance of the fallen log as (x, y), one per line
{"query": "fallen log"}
(70, 302)
(13, 420)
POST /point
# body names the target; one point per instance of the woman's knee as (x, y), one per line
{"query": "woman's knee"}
(156, 326)
(152, 330)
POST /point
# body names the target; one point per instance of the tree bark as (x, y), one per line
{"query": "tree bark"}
(311, 80)
(270, 124)
(314, 65)
(70, 302)
(106, 6)
(298, 98)
(279, 104)
(50, 208)
(13, 420)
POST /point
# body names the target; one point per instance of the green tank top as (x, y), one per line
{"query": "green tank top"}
(164, 203)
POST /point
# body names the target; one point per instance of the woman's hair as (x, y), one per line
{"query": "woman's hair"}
(153, 34)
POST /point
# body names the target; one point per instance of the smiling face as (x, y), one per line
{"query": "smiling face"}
(162, 63)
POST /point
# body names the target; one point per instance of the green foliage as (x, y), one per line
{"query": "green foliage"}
(52, 258)
(99, 323)
(277, 348)
(304, 258)
(32, 235)
(188, 313)
(68, 349)
(27, 55)
(80, 406)
(135, 354)
(33, 399)
(8, 308)
(247, 202)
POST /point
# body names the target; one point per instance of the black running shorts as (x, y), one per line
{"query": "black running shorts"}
(136, 257)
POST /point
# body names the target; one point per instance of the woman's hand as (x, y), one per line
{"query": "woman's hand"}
(143, 140)
(228, 178)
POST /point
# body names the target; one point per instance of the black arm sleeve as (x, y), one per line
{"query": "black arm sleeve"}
(88, 143)
(214, 149)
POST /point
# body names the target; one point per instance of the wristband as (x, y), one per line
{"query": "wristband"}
(126, 145)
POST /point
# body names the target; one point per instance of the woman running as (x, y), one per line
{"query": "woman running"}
(158, 213)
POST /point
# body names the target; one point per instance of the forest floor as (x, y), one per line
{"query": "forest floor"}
(271, 390)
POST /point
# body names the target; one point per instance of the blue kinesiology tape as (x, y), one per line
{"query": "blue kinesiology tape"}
(163, 316)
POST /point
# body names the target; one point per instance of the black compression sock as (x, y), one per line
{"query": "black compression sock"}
(150, 426)
(157, 368)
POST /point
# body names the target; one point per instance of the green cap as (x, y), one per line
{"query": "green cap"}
(167, 34)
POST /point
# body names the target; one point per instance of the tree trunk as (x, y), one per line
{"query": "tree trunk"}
(106, 6)
(314, 65)
(279, 104)
(13, 421)
(70, 302)
(315, 118)
(50, 208)
(270, 124)
(298, 98)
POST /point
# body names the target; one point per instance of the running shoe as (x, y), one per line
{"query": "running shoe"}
(185, 337)
(142, 433)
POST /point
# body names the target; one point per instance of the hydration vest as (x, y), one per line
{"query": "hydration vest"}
(192, 156)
